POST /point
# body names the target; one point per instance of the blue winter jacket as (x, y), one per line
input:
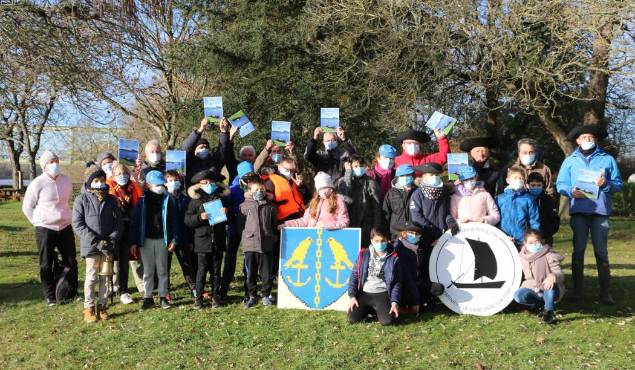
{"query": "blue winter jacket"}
(170, 217)
(236, 196)
(519, 212)
(599, 160)
(392, 276)
(411, 273)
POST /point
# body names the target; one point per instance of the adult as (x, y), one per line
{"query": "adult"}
(105, 161)
(528, 161)
(479, 151)
(590, 215)
(383, 169)
(200, 157)
(336, 149)
(46, 207)
(153, 161)
(272, 154)
(411, 141)
(246, 153)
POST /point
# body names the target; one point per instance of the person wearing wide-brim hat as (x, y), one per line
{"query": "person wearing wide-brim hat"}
(480, 151)
(411, 141)
(589, 213)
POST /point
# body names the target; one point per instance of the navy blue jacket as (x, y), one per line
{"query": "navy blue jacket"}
(411, 278)
(392, 276)
(433, 216)
(181, 201)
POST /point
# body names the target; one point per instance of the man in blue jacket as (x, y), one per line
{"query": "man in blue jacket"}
(588, 213)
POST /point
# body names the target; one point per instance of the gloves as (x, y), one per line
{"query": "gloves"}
(107, 248)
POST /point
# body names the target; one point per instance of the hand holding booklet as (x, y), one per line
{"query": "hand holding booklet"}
(441, 122)
(586, 183)
(213, 108)
(215, 213)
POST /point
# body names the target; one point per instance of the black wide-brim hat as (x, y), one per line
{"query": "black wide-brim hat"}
(430, 167)
(473, 142)
(596, 131)
(411, 134)
(207, 175)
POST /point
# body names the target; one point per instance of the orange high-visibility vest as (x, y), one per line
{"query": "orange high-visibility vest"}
(287, 197)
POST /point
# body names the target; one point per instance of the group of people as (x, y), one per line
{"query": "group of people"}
(144, 215)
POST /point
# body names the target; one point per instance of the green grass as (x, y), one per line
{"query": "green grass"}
(34, 336)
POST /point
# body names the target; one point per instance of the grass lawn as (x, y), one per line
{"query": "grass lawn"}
(588, 335)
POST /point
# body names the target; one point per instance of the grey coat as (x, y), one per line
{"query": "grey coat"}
(257, 223)
(94, 222)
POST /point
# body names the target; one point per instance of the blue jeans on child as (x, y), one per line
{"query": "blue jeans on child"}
(531, 298)
(598, 225)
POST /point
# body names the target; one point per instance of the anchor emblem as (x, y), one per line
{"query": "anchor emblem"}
(296, 262)
(341, 262)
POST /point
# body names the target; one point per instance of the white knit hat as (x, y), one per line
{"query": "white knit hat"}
(46, 157)
(323, 180)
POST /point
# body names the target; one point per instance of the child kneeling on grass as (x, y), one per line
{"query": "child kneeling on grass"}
(257, 220)
(543, 284)
(98, 222)
(375, 282)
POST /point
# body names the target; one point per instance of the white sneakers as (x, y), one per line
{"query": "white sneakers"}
(126, 298)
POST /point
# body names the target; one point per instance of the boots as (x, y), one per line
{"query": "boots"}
(89, 315)
(604, 274)
(577, 272)
(103, 314)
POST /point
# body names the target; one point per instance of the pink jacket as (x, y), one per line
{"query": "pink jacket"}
(337, 220)
(46, 202)
(470, 207)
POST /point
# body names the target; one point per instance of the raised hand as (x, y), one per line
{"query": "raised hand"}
(317, 132)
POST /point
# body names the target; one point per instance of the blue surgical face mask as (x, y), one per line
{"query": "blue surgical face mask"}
(258, 195)
(173, 186)
(380, 246)
(386, 163)
(414, 239)
(330, 145)
(433, 181)
(98, 185)
(209, 188)
(413, 149)
(203, 153)
(276, 158)
(53, 169)
(587, 145)
(469, 185)
(359, 171)
(536, 191)
(404, 181)
(528, 159)
(122, 180)
(534, 247)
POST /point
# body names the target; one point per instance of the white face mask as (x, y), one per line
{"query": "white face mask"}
(325, 192)
(53, 169)
(154, 158)
(386, 163)
(527, 159)
(412, 149)
(107, 168)
(285, 172)
(516, 184)
(173, 186)
(157, 189)
(587, 145)
(98, 185)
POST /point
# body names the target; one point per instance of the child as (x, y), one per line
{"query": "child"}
(375, 283)
(208, 186)
(154, 228)
(543, 284)
(471, 202)
(407, 248)
(184, 253)
(257, 222)
(384, 169)
(430, 205)
(327, 208)
(518, 209)
(547, 212)
(362, 196)
(396, 204)
(98, 222)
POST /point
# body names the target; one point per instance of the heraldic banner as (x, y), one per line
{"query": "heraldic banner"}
(316, 266)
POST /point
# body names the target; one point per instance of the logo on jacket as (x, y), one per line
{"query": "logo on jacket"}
(479, 268)
(315, 266)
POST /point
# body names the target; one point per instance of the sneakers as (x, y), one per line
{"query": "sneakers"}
(51, 302)
(126, 298)
(216, 301)
(548, 318)
(272, 298)
(165, 304)
(147, 304)
(102, 313)
(266, 301)
(252, 301)
(198, 304)
(89, 315)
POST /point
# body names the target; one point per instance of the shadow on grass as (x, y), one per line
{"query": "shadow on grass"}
(19, 254)
(21, 292)
(592, 267)
(6, 228)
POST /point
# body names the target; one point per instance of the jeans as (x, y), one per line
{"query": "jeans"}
(47, 241)
(529, 297)
(599, 227)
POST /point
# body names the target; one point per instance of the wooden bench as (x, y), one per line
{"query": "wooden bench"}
(11, 194)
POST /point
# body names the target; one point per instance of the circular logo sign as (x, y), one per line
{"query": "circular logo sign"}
(479, 268)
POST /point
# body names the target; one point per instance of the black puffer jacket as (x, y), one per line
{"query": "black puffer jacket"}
(207, 239)
(362, 196)
(330, 161)
(396, 209)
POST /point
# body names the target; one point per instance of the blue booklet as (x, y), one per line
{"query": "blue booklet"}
(456, 162)
(241, 121)
(246, 129)
(214, 210)
(329, 119)
(128, 151)
(175, 160)
(213, 108)
(586, 183)
(280, 132)
(441, 122)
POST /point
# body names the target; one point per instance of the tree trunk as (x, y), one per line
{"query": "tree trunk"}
(555, 129)
(32, 166)
(14, 158)
(599, 81)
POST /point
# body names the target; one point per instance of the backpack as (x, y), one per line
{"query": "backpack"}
(64, 290)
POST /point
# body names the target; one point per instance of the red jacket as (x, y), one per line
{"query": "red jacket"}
(439, 157)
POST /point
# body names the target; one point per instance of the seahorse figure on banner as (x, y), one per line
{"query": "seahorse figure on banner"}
(297, 262)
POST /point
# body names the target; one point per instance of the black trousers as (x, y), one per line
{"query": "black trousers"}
(187, 261)
(123, 257)
(379, 302)
(208, 262)
(64, 241)
(258, 263)
(229, 267)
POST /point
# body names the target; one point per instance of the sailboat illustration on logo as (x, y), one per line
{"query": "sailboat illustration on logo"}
(484, 266)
